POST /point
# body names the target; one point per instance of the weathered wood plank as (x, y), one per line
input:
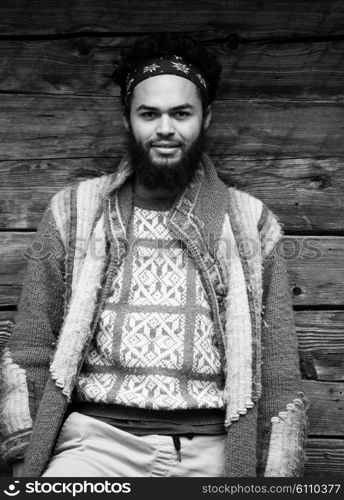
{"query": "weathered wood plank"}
(326, 408)
(305, 193)
(7, 315)
(315, 265)
(321, 344)
(249, 19)
(83, 66)
(33, 127)
(27, 186)
(325, 457)
(302, 70)
(13, 263)
(60, 127)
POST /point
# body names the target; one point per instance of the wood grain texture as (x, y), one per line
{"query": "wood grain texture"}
(83, 66)
(321, 344)
(33, 127)
(315, 266)
(325, 415)
(325, 458)
(315, 269)
(250, 19)
(26, 187)
(7, 315)
(305, 193)
(13, 264)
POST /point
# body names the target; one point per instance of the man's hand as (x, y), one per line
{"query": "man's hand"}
(17, 468)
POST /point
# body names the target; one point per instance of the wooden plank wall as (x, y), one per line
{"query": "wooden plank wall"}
(277, 132)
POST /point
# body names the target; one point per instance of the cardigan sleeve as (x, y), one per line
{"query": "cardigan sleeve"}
(25, 360)
(282, 406)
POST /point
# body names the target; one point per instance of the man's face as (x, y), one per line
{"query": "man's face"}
(165, 127)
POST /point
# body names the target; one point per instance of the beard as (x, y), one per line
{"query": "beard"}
(165, 173)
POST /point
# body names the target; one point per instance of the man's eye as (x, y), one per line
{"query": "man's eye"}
(181, 114)
(148, 115)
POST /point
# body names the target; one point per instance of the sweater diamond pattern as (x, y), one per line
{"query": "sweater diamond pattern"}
(158, 390)
(154, 347)
(205, 392)
(98, 390)
(159, 277)
(150, 225)
(153, 339)
(205, 357)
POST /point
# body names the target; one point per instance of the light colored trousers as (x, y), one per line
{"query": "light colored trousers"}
(87, 447)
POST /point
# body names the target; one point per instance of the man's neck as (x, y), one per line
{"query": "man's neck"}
(154, 194)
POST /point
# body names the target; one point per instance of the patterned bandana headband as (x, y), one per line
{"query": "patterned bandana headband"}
(173, 65)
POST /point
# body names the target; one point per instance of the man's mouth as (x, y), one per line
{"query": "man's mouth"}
(166, 147)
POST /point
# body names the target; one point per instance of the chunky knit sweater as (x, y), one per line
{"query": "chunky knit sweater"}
(154, 346)
(232, 238)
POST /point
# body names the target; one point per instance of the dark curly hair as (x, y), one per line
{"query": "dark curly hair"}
(165, 45)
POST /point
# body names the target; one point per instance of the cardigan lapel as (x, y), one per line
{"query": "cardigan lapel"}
(196, 220)
(93, 198)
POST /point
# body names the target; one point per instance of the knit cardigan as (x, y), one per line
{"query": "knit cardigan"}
(233, 239)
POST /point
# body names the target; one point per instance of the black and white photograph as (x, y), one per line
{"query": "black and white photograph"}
(172, 241)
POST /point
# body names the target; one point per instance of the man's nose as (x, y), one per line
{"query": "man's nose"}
(165, 125)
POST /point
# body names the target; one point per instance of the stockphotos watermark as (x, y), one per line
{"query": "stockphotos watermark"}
(168, 487)
(74, 488)
(288, 248)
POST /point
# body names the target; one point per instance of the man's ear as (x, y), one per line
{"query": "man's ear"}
(207, 117)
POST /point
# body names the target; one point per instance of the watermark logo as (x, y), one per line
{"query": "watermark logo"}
(12, 489)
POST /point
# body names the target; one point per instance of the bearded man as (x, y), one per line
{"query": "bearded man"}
(148, 341)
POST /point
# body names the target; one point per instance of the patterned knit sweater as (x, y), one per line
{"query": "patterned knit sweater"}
(155, 346)
(247, 291)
